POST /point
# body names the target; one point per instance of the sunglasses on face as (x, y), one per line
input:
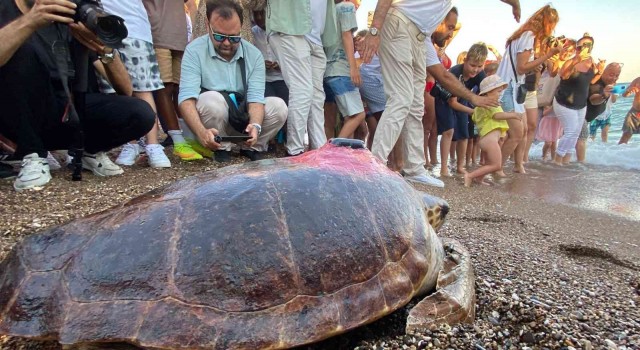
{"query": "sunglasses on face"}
(234, 39)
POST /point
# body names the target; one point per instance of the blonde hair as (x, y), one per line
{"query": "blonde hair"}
(478, 52)
(461, 57)
(541, 23)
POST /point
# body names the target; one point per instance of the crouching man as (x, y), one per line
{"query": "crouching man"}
(35, 102)
(214, 90)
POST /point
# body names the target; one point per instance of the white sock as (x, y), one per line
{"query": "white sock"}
(176, 136)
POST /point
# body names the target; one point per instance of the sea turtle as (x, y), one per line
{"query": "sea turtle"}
(269, 254)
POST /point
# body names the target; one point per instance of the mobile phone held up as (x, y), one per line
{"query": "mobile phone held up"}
(618, 89)
(233, 139)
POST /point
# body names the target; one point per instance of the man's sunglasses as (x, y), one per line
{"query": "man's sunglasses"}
(234, 39)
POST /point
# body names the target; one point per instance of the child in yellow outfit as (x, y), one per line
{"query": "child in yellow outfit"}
(491, 124)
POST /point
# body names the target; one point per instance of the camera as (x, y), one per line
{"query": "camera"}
(109, 28)
(555, 42)
(439, 92)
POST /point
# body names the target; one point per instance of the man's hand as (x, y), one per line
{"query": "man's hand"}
(207, 139)
(484, 101)
(253, 132)
(355, 76)
(601, 65)
(515, 6)
(88, 38)
(371, 45)
(607, 91)
(44, 12)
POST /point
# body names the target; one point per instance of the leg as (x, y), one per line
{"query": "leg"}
(330, 116)
(111, 121)
(214, 113)
(605, 133)
(516, 130)
(520, 149)
(147, 96)
(396, 59)
(427, 123)
(571, 121)
(489, 144)
(315, 123)
(581, 145)
(164, 97)
(532, 124)
(294, 56)
(624, 139)
(433, 142)
(372, 124)
(445, 146)
(275, 114)
(461, 152)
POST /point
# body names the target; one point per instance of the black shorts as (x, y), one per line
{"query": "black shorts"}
(445, 119)
(461, 128)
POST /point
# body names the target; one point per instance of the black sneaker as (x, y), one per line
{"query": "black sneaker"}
(7, 171)
(167, 142)
(251, 154)
(222, 156)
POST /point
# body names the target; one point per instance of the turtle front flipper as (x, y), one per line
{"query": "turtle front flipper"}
(455, 295)
(436, 210)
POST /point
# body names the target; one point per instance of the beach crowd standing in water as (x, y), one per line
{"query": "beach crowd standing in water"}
(223, 76)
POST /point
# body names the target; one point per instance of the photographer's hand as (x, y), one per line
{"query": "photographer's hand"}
(207, 139)
(87, 38)
(44, 12)
(253, 132)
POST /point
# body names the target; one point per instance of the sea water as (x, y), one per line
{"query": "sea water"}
(608, 182)
(610, 153)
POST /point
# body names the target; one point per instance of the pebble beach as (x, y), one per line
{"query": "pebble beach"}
(548, 275)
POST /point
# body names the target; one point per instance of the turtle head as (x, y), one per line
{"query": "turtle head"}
(436, 209)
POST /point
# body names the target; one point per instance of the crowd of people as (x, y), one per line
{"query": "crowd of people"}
(226, 76)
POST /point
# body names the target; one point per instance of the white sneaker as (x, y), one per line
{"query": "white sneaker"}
(34, 173)
(425, 179)
(128, 154)
(100, 164)
(53, 162)
(156, 156)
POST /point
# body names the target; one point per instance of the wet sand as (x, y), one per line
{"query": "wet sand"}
(550, 273)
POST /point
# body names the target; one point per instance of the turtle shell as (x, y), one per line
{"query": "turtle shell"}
(269, 254)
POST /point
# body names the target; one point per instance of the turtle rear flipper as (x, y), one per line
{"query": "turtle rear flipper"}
(455, 295)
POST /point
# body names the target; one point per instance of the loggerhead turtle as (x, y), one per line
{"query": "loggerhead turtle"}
(270, 254)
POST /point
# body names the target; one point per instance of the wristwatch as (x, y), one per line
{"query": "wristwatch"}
(108, 57)
(373, 31)
(258, 127)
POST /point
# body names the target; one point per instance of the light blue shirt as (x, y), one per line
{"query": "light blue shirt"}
(203, 68)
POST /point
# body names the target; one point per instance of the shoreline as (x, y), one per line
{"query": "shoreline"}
(548, 275)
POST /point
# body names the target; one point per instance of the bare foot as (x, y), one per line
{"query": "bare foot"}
(519, 169)
(482, 182)
(461, 171)
(445, 173)
(557, 163)
(499, 174)
(467, 180)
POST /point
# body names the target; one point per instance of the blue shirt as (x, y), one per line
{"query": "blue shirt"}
(203, 68)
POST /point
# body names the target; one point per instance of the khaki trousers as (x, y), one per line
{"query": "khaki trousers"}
(303, 65)
(403, 60)
(214, 113)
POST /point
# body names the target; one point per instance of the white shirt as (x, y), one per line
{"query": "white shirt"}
(432, 55)
(426, 14)
(318, 19)
(505, 70)
(134, 15)
(260, 41)
(607, 111)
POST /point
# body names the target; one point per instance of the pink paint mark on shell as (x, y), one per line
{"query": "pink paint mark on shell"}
(343, 160)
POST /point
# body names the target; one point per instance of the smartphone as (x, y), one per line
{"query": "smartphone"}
(234, 139)
(618, 89)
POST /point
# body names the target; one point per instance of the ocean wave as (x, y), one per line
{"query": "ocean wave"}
(607, 154)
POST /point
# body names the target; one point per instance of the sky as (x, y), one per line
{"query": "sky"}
(614, 24)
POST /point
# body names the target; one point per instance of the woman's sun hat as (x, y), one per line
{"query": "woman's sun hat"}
(491, 82)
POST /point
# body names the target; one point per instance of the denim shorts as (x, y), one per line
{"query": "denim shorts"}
(346, 95)
(507, 99)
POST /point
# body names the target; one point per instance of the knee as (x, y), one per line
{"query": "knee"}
(212, 105)
(142, 116)
(448, 134)
(276, 108)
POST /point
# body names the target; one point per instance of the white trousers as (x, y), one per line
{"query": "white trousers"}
(403, 60)
(571, 120)
(303, 64)
(214, 113)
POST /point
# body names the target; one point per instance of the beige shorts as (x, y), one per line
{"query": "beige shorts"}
(169, 62)
(531, 102)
